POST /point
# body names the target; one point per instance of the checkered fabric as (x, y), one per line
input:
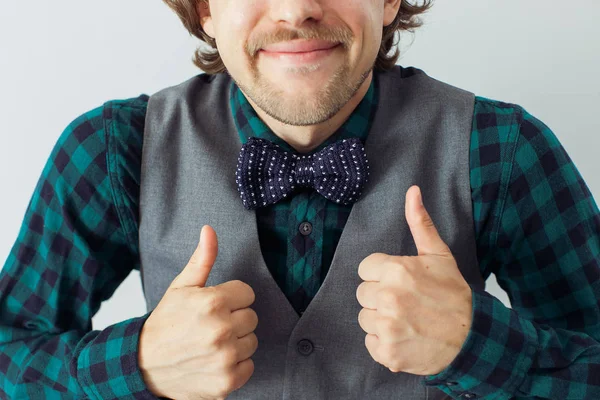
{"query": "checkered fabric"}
(73, 250)
(536, 223)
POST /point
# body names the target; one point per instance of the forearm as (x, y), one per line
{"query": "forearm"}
(507, 355)
(72, 364)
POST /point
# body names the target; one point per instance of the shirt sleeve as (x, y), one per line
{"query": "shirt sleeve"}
(538, 231)
(71, 253)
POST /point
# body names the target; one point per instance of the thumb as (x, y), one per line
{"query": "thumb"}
(198, 268)
(424, 232)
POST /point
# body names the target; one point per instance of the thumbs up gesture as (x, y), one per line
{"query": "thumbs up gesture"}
(417, 311)
(197, 342)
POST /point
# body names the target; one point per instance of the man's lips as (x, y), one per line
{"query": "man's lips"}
(299, 46)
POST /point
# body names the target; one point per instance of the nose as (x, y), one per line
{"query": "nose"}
(295, 13)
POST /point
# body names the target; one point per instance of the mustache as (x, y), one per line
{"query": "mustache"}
(341, 34)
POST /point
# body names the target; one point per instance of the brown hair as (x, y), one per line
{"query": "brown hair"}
(211, 63)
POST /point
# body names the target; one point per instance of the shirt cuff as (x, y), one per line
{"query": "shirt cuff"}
(107, 363)
(495, 357)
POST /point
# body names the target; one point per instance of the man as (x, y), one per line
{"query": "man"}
(350, 213)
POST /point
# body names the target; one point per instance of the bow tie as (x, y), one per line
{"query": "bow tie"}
(266, 173)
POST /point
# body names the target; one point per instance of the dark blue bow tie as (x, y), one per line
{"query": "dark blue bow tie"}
(266, 173)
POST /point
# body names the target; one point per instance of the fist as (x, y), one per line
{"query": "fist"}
(417, 311)
(198, 341)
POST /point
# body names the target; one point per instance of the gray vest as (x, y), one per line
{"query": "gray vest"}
(420, 135)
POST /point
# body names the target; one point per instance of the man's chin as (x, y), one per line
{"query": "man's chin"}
(298, 93)
(308, 86)
(298, 111)
(302, 99)
(311, 74)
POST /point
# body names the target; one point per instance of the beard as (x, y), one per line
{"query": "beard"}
(303, 110)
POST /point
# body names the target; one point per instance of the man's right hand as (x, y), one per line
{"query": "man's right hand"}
(197, 342)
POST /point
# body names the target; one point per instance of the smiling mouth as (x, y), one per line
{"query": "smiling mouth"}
(299, 52)
(299, 46)
(296, 58)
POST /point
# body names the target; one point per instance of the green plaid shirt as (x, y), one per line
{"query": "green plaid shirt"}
(537, 228)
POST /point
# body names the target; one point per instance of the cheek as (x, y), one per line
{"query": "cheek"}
(373, 27)
(365, 18)
(233, 24)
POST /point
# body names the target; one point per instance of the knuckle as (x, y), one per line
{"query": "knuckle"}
(362, 318)
(397, 272)
(405, 274)
(361, 315)
(221, 391)
(386, 326)
(404, 263)
(389, 298)
(411, 282)
(373, 258)
(228, 384)
(253, 318)
(383, 258)
(251, 364)
(250, 291)
(384, 353)
(254, 342)
(243, 287)
(360, 289)
(228, 357)
(213, 302)
(221, 334)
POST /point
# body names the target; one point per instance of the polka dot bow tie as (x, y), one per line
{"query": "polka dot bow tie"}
(266, 173)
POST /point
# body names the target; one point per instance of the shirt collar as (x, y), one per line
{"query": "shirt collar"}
(249, 124)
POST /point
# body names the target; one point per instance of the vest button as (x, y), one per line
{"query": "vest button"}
(468, 395)
(305, 228)
(305, 347)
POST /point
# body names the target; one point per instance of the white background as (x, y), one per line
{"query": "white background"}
(59, 59)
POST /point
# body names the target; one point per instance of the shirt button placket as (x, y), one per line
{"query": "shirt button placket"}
(305, 228)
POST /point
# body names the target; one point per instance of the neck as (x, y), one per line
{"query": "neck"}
(307, 138)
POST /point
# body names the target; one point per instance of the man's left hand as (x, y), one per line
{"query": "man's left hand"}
(417, 310)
